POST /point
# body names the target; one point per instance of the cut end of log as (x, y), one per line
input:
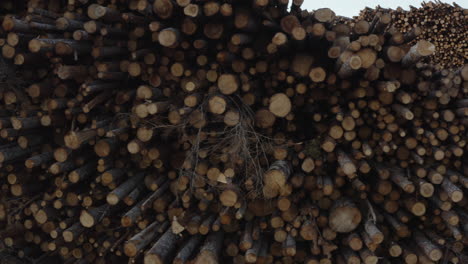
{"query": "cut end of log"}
(86, 219)
(73, 177)
(425, 48)
(228, 84)
(228, 198)
(280, 105)
(72, 140)
(168, 37)
(102, 148)
(264, 118)
(112, 199)
(15, 189)
(8, 24)
(29, 163)
(324, 15)
(34, 45)
(206, 257)
(67, 236)
(152, 259)
(317, 74)
(130, 249)
(217, 105)
(34, 90)
(41, 216)
(435, 254)
(96, 11)
(344, 217)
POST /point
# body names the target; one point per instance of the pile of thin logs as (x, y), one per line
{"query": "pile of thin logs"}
(203, 131)
(442, 24)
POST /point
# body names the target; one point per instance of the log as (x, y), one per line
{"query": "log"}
(211, 249)
(344, 216)
(162, 249)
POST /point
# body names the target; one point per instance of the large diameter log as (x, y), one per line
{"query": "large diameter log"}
(344, 216)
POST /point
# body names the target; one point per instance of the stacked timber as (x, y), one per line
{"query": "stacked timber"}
(201, 132)
(442, 24)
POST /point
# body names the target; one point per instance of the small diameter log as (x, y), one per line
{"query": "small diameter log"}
(39, 160)
(346, 164)
(88, 218)
(349, 66)
(252, 253)
(187, 249)
(66, 24)
(217, 105)
(205, 226)
(72, 233)
(112, 175)
(82, 173)
(133, 215)
(425, 188)
(280, 105)
(163, 8)
(210, 252)
(317, 74)
(350, 256)
(431, 250)
(344, 216)
(139, 241)
(125, 188)
(162, 249)
(44, 214)
(368, 257)
(403, 111)
(74, 139)
(105, 147)
(453, 191)
(169, 37)
(374, 233)
(228, 197)
(275, 178)
(96, 11)
(246, 239)
(25, 123)
(415, 206)
(421, 49)
(9, 154)
(403, 182)
(324, 15)
(228, 84)
(155, 195)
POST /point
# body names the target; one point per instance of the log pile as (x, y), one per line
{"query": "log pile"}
(203, 131)
(442, 24)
